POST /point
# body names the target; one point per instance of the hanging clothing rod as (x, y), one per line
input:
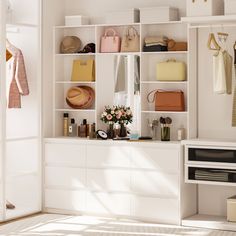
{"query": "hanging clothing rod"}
(212, 26)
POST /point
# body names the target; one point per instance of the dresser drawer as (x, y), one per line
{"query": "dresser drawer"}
(66, 200)
(155, 183)
(108, 156)
(160, 158)
(155, 209)
(108, 203)
(65, 177)
(108, 180)
(65, 154)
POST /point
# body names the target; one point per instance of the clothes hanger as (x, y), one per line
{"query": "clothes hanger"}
(212, 40)
(222, 36)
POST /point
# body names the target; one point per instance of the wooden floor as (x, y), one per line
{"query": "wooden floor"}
(60, 225)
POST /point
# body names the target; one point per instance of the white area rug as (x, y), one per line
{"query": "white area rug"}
(60, 225)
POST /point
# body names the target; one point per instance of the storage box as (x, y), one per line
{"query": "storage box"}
(230, 7)
(231, 209)
(76, 20)
(158, 14)
(205, 7)
(123, 17)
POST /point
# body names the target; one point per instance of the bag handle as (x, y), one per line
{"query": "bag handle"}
(160, 91)
(110, 30)
(131, 29)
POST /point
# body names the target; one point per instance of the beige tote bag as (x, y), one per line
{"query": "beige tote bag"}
(130, 40)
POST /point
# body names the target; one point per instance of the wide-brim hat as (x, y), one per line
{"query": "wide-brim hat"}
(70, 44)
(80, 97)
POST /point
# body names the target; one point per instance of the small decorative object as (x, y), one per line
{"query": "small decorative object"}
(111, 131)
(165, 128)
(72, 129)
(154, 129)
(102, 134)
(181, 134)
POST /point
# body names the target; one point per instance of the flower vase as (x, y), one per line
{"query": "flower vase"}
(123, 130)
(110, 131)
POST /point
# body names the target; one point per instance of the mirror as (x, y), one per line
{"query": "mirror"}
(127, 85)
(121, 84)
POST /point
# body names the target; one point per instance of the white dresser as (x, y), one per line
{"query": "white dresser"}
(141, 180)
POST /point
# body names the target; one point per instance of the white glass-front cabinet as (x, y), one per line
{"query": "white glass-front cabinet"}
(20, 129)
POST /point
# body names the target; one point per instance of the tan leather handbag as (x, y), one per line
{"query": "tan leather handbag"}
(171, 70)
(167, 100)
(83, 70)
(130, 41)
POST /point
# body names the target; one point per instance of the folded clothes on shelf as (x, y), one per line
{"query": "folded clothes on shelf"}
(211, 175)
(155, 44)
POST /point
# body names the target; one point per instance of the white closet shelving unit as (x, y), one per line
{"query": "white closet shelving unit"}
(20, 132)
(104, 85)
(211, 195)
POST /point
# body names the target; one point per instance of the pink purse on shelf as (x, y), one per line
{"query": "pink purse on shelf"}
(110, 43)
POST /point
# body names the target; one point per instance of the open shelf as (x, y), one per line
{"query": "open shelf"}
(210, 222)
(75, 110)
(163, 82)
(166, 112)
(75, 82)
(74, 54)
(166, 52)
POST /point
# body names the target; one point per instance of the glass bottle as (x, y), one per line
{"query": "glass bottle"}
(72, 130)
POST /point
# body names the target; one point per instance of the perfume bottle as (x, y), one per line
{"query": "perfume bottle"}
(72, 129)
(65, 124)
(83, 129)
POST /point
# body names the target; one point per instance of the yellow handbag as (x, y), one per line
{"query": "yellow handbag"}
(83, 70)
(171, 70)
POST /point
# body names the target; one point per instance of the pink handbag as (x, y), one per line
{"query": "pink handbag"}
(110, 43)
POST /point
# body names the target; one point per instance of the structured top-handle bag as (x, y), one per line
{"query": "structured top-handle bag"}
(83, 70)
(167, 100)
(130, 40)
(110, 41)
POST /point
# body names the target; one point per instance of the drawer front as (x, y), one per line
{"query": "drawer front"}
(108, 156)
(155, 209)
(108, 203)
(66, 200)
(65, 177)
(65, 154)
(156, 158)
(108, 180)
(155, 183)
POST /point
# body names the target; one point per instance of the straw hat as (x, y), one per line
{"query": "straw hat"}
(80, 97)
(70, 44)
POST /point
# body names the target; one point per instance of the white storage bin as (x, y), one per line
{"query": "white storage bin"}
(76, 20)
(205, 7)
(230, 7)
(123, 17)
(158, 14)
(231, 209)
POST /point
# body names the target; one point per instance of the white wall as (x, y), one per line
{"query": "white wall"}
(53, 14)
(215, 111)
(97, 9)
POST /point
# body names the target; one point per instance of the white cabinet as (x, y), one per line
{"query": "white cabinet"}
(137, 180)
